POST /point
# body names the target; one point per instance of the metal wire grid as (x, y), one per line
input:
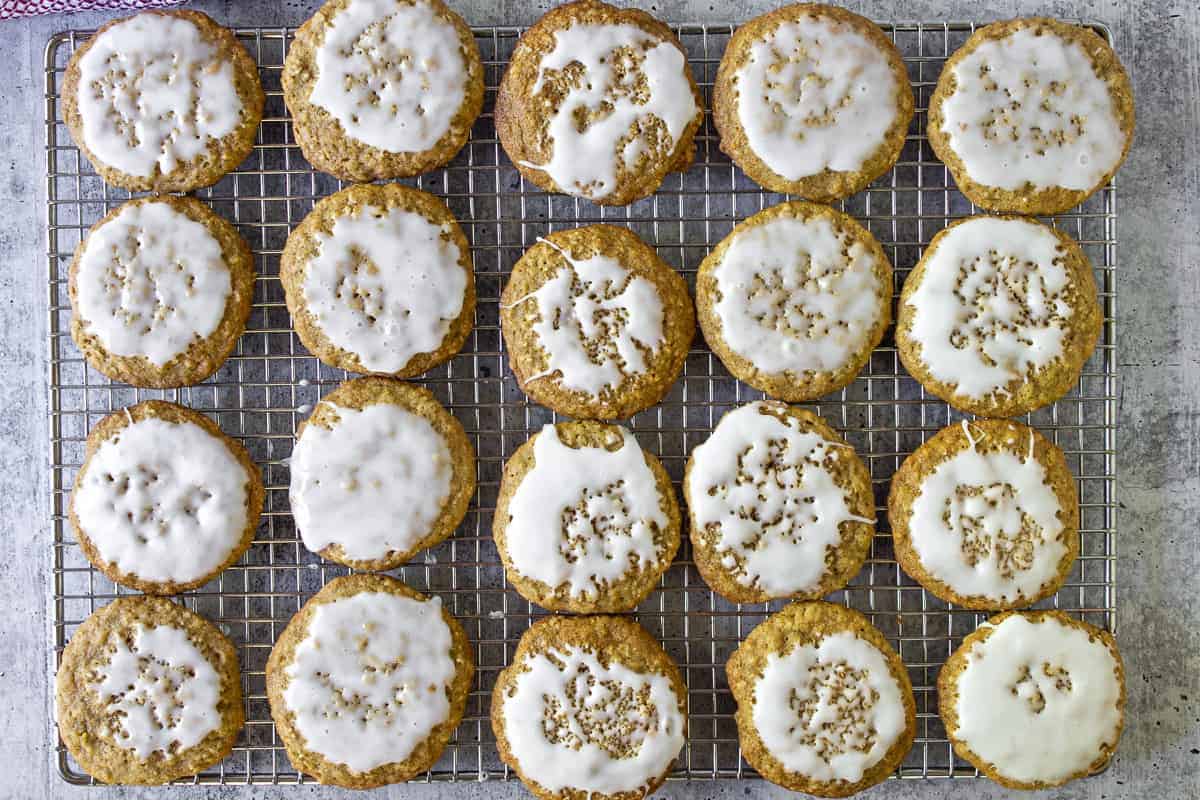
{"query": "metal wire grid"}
(266, 388)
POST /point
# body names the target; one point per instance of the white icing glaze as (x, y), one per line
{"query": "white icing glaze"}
(830, 711)
(991, 306)
(370, 679)
(986, 524)
(153, 92)
(797, 295)
(1038, 700)
(151, 282)
(762, 483)
(163, 501)
(815, 94)
(573, 723)
(655, 87)
(374, 483)
(584, 516)
(596, 321)
(392, 73)
(385, 286)
(1031, 109)
(162, 692)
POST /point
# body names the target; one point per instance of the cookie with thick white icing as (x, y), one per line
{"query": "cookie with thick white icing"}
(586, 521)
(591, 707)
(598, 102)
(1032, 115)
(812, 100)
(380, 471)
(999, 316)
(382, 88)
(148, 692)
(779, 505)
(163, 101)
(164, 501)
(824, 704)
(379, 279)
(368, 682)
(1034, 699)
(794, 300)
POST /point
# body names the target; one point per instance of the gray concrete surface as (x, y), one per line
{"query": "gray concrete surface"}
(1159, 464)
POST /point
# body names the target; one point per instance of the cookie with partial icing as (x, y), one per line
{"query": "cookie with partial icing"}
(591, 707)
(1034, 699)
(164, 501)
(779, 505)
(986, 515)
(586, 521)
(382, 88)
(999, 316)
(380, 471)
(160, 291)
(595, 324)
(824, 704)
(598, 102)
(148, 692)
(1032, 115)
(794, 300)
(812, 100)
(163, 101)
(368, 682)
(379, 279)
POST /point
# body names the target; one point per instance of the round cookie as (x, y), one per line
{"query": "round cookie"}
(380, 471)
(164, 501)
(812, 100)
(378, 279)
(985, 515)
(382, 88)
(794, 300)
(586, 521)
(148, 692)
(1034, 699)
(591, 707)
(160, 291)
(595, 324)
(598, 102)
(824, 704)
(1032, 116)
(999, 316)
(778, 504)
(163, 101)
(368, 682)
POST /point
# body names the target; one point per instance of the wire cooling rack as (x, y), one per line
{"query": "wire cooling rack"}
(270, 383)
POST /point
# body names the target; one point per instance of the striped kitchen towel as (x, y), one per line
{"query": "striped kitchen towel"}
(27, 8)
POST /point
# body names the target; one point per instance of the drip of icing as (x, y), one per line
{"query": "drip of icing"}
(991, 306)
(369, 681)
(153, 92)
(573, 723)
(1029, 108)
(385, 286)
(815, 94)
(391, 73)
(797, 295)
(150, 282)
(762, 484)
(374, 483)
(163, 501)
(584, 516)
(651, 97)
(161, 692)
(829, 711)
(1038, 699)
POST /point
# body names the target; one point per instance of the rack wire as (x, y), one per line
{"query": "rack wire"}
(265, 389)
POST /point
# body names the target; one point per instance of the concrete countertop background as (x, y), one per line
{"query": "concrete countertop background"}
(1158, 573)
